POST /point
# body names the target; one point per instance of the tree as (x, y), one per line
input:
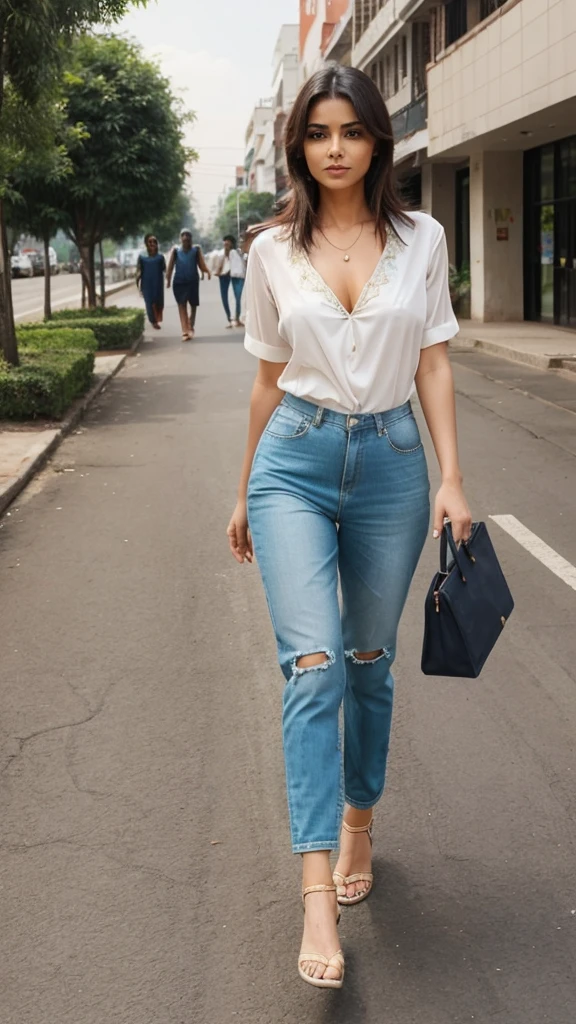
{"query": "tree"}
(131, 167)
(254, 207)
(33, 38)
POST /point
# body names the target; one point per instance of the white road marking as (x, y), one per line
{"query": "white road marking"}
(537, 547)
(40, 309)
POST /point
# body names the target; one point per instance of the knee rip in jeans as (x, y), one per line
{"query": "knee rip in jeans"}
(318, 660)
(369, 657)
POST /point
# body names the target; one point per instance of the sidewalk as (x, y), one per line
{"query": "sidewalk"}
(538, 345)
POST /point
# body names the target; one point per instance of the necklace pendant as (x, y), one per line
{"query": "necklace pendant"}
(346, 258)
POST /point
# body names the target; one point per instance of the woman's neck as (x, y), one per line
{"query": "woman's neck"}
(343, 210)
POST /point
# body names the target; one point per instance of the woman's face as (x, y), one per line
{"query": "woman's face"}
(152, 246)
(337, 148)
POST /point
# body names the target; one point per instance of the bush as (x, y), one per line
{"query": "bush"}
(45, 383)
(38, 339)
(112, 331)
(83, 314)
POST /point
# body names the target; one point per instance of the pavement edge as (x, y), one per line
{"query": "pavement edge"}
(74, 416)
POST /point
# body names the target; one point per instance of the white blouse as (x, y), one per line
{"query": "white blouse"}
(364, 361)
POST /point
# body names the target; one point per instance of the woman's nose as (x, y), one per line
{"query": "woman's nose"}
(335, 146)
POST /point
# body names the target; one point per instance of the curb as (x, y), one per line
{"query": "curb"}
(541, 361)
(71, 420)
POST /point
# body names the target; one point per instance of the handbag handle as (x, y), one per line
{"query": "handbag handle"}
(447, 539)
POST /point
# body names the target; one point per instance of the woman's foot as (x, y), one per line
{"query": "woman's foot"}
(355, 857)
(156, 327)
(321, 937)
(229, 325)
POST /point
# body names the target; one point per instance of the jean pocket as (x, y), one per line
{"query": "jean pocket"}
(287, 422)
(403, 435)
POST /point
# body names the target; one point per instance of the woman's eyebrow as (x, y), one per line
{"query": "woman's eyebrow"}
(349, 124)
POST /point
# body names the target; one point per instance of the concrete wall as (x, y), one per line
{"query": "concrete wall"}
(439, 199)
(496, 264)
(518, 62)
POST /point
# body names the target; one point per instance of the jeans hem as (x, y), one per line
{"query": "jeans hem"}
(329, 844)
(363, 805)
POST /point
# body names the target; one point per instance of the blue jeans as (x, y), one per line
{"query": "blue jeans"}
(331, 498)
(237, 288)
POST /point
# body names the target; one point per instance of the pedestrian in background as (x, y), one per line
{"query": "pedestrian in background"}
(348, 307)
(185, 261)
(150, 271)
(231, 269)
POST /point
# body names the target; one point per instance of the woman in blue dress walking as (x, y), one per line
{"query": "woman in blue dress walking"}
(150, 272)
(185, 260)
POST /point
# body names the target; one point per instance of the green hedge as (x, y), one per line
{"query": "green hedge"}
(45, 383)
(40, 339)
(111, 331)
(83, 314)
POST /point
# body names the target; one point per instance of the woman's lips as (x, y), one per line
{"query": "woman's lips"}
(337, 171)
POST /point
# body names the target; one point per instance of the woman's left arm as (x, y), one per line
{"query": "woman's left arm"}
(435, 386)
(202, 263)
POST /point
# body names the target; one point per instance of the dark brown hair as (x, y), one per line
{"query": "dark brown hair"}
(299, 211)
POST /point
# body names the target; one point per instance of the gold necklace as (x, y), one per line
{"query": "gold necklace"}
(339, 247)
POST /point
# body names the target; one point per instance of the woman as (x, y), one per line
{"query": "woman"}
(150, 272)
(231, 270)
(347, 307)
(185, 260)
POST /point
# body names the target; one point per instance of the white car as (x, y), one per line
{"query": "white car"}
(21, 266)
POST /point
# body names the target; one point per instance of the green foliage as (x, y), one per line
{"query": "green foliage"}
(55, 367)
(459, 282)
(83, 314)
(132, 166)
(255, 207)
(42, 339)
(111, 332)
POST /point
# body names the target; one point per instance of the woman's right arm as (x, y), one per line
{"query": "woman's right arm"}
(266, 396)
(170, 267)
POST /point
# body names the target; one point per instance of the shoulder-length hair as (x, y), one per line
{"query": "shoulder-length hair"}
(299, 213)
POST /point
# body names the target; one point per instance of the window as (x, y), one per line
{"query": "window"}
(396, 70)
(404, 59)
(456, 20)
(420, 57)
(487, 7)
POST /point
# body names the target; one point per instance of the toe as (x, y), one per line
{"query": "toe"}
(332, 973)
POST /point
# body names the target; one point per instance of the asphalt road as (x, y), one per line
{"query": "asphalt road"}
(28, 294)
(146, 874)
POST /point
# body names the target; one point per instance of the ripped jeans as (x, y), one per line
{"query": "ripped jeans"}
(335, 497)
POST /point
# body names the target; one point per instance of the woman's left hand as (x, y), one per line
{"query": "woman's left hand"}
(451, 504)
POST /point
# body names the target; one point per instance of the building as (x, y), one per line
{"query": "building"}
(483, 101)
(285, 82)
(260, 155)
(325, 34)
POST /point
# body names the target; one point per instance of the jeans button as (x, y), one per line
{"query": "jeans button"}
(352, 421)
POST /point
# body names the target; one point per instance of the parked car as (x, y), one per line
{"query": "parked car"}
(21, 266)
(37, 258)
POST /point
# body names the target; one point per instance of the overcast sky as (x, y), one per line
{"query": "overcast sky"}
(218, 55)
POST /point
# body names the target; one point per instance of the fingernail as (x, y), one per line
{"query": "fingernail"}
(436, 534)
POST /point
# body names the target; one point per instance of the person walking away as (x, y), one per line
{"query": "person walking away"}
(231, 270)
(348, 307)
(150, 271)
(184, 262)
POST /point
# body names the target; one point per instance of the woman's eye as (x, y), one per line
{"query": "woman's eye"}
(354, 134)
(316, 135)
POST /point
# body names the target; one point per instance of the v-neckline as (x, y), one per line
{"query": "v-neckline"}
(349, 313)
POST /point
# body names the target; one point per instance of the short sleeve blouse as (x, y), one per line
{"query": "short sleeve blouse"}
(364, 361)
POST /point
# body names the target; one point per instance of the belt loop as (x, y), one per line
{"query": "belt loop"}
(379, 423)
(318, 417)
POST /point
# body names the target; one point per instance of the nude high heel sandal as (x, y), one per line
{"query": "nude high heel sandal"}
(341, 881)
(336, 961)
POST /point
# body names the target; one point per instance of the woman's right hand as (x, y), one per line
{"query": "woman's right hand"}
(238, 534)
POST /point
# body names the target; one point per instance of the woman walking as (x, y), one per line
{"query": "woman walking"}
(184, 262)
(347, 307)
(231, 271)
(150, 271)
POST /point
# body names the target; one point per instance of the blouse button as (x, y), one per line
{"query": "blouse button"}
(353, 347)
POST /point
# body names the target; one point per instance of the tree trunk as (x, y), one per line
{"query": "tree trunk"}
(86, 250)
(47, 280)
(7, 328)
(102, 277)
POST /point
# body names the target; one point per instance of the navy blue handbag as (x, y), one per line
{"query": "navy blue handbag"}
(466, 608)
